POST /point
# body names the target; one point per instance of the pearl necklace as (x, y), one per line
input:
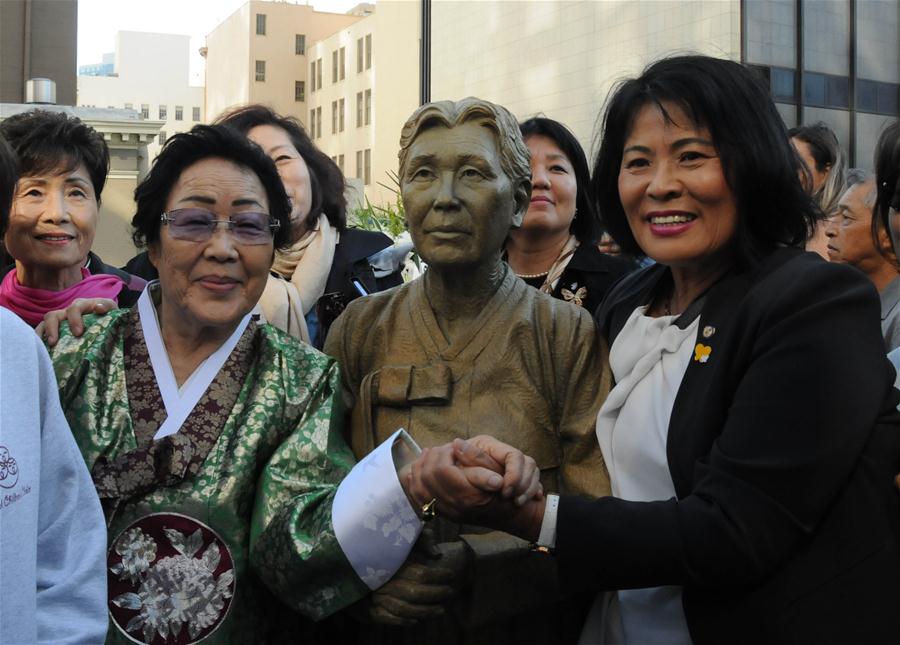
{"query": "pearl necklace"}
(532, 276)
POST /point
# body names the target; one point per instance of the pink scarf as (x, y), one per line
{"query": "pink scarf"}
(31, 304)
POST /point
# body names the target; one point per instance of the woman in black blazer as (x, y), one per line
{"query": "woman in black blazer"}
(752, 436)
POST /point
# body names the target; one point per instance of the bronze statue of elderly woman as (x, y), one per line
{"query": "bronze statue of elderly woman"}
(470, 349)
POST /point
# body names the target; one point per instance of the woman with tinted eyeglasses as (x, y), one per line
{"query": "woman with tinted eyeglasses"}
(211, 438)
(62, 165)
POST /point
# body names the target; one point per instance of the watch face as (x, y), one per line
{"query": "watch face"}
(171, 580)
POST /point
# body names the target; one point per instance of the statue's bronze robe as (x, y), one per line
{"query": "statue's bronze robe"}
(530, 371)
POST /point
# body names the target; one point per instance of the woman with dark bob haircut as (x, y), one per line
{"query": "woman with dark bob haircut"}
(211, 438)
(555, 249)
(751, 437)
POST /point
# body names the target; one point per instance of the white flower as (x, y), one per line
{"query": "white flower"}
(179, 590)
(138, 550)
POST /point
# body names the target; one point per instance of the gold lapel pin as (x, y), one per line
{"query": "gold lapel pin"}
(708, 331)
(702, 352)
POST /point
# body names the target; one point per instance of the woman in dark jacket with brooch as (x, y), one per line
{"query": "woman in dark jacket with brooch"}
(555, 249)
(751, 437)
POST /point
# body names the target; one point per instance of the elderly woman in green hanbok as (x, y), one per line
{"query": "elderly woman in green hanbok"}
(212, 439)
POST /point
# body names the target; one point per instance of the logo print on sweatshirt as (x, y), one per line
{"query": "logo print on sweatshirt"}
(9, 469)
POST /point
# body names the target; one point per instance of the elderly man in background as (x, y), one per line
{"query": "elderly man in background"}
(854, 239)
(471, 349)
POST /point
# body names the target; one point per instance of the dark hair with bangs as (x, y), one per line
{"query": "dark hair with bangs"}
(52, 143)
(759, 164)
(7, 183)
(326, 179)
(187, 148)
(586, 225)
(887, 179)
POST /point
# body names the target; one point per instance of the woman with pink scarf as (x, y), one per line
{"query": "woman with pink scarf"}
(62, 166)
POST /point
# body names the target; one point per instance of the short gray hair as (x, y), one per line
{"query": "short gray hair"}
(856, 176)
(515, 158)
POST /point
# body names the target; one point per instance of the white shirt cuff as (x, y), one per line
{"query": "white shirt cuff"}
(373, 520)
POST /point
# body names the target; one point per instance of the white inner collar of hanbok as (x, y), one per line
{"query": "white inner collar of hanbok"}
(179, 402)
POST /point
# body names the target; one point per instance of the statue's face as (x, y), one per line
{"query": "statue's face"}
(459, 202)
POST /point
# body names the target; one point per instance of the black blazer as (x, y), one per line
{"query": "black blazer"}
(782, 447)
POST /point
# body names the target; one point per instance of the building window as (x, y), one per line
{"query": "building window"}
(341, 115)
(260, 24)
(195, 114)
(368, 107)
(312, 123)
(300, 44)
(319, 74)
(359, 109)
(129, 106)
(826, 90)
(368, 51)
(312, 76)
(334, 118)
(877, 97)
(334, 66)
(367, 167)
(343, 62)
(179, 113)
(359, 164)
(299, 90)
(359, 55)
(162, 137)
(319, 122)
(340, 162)
(261, 70)
(145, 111)
(163, 112)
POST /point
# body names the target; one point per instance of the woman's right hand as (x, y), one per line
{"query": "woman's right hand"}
(80, 307)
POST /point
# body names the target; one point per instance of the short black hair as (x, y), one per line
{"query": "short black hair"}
(758, 161)
(7, 183)
(187, 148)
(887, 177)
(586, 225)
(46, 142)
(326, 179)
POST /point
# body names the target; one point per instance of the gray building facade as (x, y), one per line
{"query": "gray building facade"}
(38, 39)
(836, 61)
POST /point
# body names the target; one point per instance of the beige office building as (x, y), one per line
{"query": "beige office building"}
(259, 54)
(368, 87)
(837, 61)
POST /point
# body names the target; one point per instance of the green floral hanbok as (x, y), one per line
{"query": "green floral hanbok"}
(218, 531)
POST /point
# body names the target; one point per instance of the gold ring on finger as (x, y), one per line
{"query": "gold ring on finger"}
(429, 510)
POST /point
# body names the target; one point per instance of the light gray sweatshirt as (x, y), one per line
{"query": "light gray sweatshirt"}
(52, 531)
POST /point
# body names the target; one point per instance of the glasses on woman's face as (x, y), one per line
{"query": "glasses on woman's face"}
(198, 225)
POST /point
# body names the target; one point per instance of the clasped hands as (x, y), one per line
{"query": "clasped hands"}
(480, 481)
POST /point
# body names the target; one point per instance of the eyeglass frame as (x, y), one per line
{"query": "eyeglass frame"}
(274, 225)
